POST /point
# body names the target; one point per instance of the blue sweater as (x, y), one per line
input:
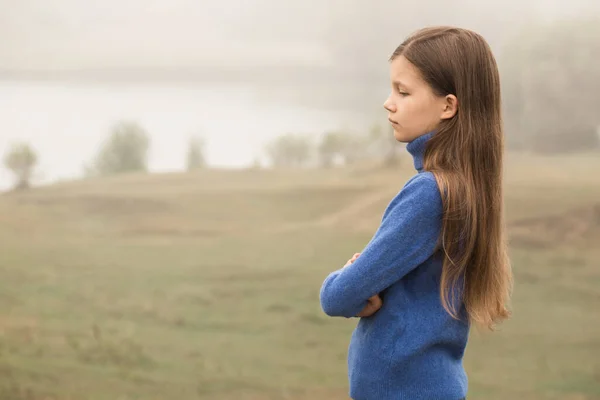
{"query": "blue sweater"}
(411, 348)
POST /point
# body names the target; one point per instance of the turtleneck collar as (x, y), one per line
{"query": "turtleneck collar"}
(417, 149)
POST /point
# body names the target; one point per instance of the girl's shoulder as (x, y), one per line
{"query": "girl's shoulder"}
(420, 194)
(423, 186)
(424, 180)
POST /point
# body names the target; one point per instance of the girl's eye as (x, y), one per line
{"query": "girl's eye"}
(403, 94)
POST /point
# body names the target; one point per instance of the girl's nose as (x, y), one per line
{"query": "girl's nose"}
(388, 105)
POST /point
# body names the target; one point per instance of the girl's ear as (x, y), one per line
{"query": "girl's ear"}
(450, 107)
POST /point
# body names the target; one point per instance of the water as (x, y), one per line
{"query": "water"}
(67, 122)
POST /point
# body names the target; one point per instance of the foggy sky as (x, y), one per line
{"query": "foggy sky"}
(67, 122)
(68, 34)
(75, 34)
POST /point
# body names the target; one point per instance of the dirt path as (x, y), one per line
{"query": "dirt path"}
(350, 212)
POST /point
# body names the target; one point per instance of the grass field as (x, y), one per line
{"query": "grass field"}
(205, 285)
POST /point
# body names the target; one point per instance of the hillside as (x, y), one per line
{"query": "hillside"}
(220, 202)
(205, 285)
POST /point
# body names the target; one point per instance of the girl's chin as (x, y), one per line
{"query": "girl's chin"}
(400, 137)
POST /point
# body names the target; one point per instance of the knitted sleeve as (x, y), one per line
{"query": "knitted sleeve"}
(406, 238)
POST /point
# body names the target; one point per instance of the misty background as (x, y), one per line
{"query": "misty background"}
(236, 73)
(178, 177)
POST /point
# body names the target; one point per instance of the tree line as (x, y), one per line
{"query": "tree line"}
(127, 145)
(333, 148)
(125, 150)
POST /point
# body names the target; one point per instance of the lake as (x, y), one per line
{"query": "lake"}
(67, 122)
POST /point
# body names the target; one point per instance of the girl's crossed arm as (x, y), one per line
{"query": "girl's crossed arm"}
(407, 236)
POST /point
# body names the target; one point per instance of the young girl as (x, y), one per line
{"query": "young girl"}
(438, 262)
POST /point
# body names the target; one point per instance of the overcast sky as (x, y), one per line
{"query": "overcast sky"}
(66, 122)
(49, 34)
(40, 34)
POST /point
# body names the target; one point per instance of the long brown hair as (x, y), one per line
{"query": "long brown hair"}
(465, 155)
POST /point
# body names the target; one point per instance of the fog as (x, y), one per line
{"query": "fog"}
(238, 73)
(120, 282)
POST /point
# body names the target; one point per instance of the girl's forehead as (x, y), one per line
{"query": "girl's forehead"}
(404, 73)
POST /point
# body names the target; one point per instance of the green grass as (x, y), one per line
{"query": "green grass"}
(205, 286)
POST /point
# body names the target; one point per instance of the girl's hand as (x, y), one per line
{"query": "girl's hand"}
(350, 261)
(373, 305)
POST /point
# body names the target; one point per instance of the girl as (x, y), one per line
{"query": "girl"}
(438, 262)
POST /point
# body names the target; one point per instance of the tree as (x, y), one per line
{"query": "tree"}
(290, 150)
(125, 150)
(384, 145)
(195, 154)
(21, 159)
(344, 146)
(331, 146)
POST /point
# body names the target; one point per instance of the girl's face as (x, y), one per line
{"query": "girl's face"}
(413, 108)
